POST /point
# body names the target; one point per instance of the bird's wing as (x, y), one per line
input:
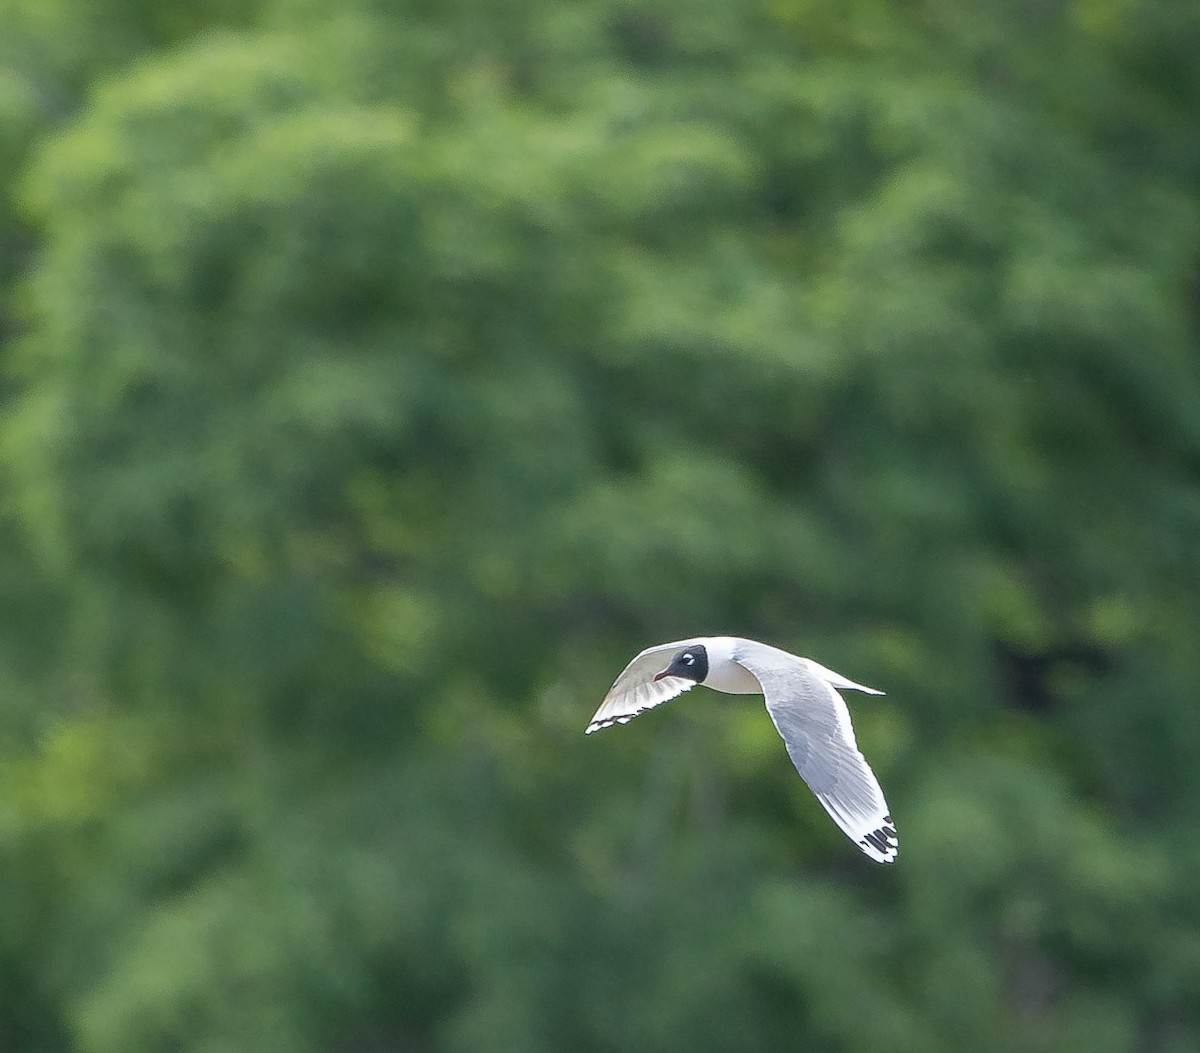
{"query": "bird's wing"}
(814, 723)
(634, 691)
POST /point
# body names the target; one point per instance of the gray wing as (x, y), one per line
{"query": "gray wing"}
(634, 691)
(814, 723)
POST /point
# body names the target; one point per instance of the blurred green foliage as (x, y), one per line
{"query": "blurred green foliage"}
(379, 377)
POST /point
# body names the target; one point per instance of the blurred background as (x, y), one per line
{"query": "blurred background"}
(378, 378)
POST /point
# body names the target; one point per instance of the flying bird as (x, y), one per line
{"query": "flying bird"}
(803, 701)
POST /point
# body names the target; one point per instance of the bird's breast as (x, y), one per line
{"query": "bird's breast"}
(732, 678)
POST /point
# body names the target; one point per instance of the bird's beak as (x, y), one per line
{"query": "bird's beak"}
(659, 676)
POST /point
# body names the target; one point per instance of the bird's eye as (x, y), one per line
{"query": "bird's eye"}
(688, 659)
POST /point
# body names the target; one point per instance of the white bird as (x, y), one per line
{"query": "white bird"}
(803, 701)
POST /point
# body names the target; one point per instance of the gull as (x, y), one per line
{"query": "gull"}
(803, 701)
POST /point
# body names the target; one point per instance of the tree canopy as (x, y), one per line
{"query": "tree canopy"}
(378, 378)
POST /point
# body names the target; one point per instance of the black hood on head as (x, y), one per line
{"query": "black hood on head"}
(691, 663)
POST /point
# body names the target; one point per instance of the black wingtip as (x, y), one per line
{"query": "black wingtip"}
(884, 840)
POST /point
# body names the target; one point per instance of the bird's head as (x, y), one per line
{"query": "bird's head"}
(691, 664)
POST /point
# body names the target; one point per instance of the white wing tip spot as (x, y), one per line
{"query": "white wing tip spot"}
(608, 722)
(883, 842)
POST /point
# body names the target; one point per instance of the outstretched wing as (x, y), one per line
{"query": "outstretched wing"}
(814, 723)
(635, 691)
